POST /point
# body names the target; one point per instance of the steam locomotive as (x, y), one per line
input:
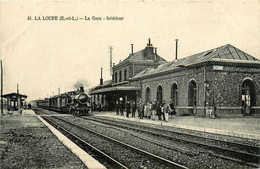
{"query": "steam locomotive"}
(74, 102)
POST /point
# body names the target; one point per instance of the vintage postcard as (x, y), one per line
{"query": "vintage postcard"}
(188, 71)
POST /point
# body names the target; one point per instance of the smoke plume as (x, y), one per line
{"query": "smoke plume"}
(81, 83)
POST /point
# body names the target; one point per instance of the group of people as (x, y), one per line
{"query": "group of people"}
(147, 110)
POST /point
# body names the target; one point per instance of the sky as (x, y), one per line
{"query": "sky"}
(43, 55)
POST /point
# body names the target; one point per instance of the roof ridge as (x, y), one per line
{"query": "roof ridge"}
(248, 56)
(218, 50)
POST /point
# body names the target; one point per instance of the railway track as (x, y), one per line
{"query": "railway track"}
(123, 154)
(171, 146)
(238, 152)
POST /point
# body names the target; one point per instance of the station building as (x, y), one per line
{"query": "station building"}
(224, 81)
(14, 101)
(121, 87)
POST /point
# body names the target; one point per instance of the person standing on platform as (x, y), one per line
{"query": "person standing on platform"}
(128, 108)
(153, 110)
(121, 108)
(145, 110)
(158, 109)
(140, 109)
(133, 109)
(166, 110)
(149, 112)
(172, 108)
(162, 110)
(117, 108)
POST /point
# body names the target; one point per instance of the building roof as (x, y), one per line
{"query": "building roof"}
(106, 83)
(146, 54)
(141, 55)
(226, 53)
(115, 88)
(13, 96)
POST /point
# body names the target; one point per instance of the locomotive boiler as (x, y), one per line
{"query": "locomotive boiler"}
(80, 103)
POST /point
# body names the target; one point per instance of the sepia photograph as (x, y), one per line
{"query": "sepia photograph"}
(143, 84)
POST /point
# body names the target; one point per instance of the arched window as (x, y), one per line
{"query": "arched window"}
(174, 94)
(192, 94)
(159, 94)
(147, 95)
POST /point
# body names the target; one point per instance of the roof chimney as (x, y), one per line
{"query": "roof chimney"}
(149, 42)
(101, 79)
(132, 49)
(176, 55)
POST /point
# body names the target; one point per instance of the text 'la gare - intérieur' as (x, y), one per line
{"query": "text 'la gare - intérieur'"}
(74, 18)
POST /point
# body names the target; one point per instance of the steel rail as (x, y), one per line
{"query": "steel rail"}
(213, 139)
(127, 145)
(246, 157)
(86, 143)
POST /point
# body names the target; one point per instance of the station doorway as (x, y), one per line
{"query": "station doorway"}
(248, 97)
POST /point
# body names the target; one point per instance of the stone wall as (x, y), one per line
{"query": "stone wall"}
(224, 89)
(182, 79)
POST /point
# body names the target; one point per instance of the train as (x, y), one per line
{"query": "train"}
(77, 103)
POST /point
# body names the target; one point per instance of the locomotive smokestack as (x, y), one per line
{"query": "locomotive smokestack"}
(132, 49)
(81, 89)
(176, 55)
(101, 79)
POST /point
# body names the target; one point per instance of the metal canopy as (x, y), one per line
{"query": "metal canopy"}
(116, 88)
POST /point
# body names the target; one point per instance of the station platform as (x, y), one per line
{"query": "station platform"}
(245, 127)
(36, 146)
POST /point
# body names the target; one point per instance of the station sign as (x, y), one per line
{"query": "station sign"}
(217, 67)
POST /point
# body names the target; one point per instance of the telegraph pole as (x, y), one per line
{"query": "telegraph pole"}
(2, 111)
(111, 58)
